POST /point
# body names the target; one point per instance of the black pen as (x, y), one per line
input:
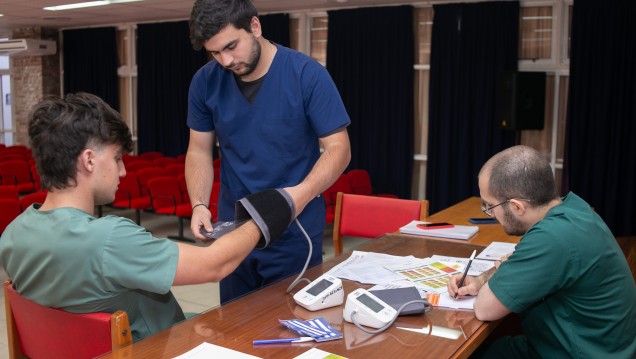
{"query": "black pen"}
(461, 282)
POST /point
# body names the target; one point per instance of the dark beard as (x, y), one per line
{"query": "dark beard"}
(513, 226)
(255, 57)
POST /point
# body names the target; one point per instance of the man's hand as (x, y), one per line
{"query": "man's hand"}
(201, 218)
(471, 286)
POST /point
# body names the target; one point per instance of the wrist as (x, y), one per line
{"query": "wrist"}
(199, 205)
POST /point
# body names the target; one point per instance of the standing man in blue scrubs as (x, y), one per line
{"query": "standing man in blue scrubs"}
(271, 109)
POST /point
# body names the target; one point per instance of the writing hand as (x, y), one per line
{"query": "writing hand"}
(470, 287)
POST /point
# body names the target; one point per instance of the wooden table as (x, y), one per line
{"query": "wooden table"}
(459, 214)
(255, 316)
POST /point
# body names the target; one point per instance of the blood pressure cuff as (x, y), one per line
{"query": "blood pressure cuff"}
(272, 210)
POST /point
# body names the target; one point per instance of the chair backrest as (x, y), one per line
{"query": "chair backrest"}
(341, 185)
(150, 155)
(370, 216)
(36, 331)
(164, 161)
(164, 193)
(9, 209)
(11, 157)
(181, 158)
(29, 199)
(183, 186)
(9, 192)
(138, 164)
(175, 169)
(214, 200)
(17, 173)
(146, 174)
(360, 182)
(127, 191)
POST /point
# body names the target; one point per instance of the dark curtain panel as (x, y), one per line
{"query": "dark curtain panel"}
(90, 63)
(370, 57)
(471, 44)
(600, 162)
(166, 63)
(276, 28)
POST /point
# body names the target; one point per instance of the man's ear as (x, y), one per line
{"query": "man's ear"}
(85, 160)
(518, 207)
(255, 26)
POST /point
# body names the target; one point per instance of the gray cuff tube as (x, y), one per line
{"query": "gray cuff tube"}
(272, 210)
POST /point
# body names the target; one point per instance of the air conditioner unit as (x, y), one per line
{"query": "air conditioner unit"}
(27, 47)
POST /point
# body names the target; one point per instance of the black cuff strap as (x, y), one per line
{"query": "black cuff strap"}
(272, 210)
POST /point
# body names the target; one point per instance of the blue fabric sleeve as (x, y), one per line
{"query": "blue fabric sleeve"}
(199, 116)
(324, 106)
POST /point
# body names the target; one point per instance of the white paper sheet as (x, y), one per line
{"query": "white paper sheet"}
(207, 350)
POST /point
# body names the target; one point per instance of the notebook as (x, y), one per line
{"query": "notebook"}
(457, 232)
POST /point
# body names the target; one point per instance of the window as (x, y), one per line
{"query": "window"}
(318, 39)
(535, 33)
(423, 26)
(6, 122)
(127, 72)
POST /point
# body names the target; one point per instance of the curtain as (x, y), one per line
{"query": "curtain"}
(370, 56)
(471, 44)
(166, 63)
(90, 63)
(600, 157)
(276, 28)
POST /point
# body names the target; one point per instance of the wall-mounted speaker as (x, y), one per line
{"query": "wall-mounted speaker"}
(520, 100)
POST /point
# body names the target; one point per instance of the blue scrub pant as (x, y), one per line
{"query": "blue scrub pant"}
(286, 256)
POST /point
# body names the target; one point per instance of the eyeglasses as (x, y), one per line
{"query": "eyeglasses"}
(488, 209)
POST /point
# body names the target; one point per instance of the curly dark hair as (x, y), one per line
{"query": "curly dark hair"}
(60, 129)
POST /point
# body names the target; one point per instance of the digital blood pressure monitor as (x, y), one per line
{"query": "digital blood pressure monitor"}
(367, 309)
(324, 292)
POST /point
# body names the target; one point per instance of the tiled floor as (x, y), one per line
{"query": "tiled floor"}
(193, 298)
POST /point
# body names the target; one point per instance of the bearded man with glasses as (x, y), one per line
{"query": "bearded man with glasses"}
(567, 278)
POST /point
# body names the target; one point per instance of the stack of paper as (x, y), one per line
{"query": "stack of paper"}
(457, 232)
(496, 250)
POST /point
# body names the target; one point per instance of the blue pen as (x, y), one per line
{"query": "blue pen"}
(283, 340)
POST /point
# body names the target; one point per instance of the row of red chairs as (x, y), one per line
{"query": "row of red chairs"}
(11, 204)
(160, 191)
(15, 152)
(20, 174)
(353, 182)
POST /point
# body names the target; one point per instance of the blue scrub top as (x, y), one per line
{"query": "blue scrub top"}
(272, 142)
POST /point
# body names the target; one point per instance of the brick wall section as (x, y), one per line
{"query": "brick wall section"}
(32, 79)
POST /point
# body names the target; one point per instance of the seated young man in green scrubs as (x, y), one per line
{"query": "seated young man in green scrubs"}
(567, 278)
(59, 254)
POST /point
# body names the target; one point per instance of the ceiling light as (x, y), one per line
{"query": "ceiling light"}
(80, 5)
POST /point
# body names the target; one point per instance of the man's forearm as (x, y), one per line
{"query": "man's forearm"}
(330, 165)
(485, 276)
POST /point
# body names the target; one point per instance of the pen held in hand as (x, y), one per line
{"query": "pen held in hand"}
(461, 282)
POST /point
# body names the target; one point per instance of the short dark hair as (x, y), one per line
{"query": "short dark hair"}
(60, 129)
(521, 172)
(209, 17)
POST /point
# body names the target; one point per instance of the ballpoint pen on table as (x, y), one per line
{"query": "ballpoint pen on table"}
(284, 340)
(461, 282)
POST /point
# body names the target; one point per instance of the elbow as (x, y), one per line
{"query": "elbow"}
(488, 313)
(482, 315)
(219, 274)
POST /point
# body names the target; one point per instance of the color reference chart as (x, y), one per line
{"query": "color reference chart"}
(431, 275)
